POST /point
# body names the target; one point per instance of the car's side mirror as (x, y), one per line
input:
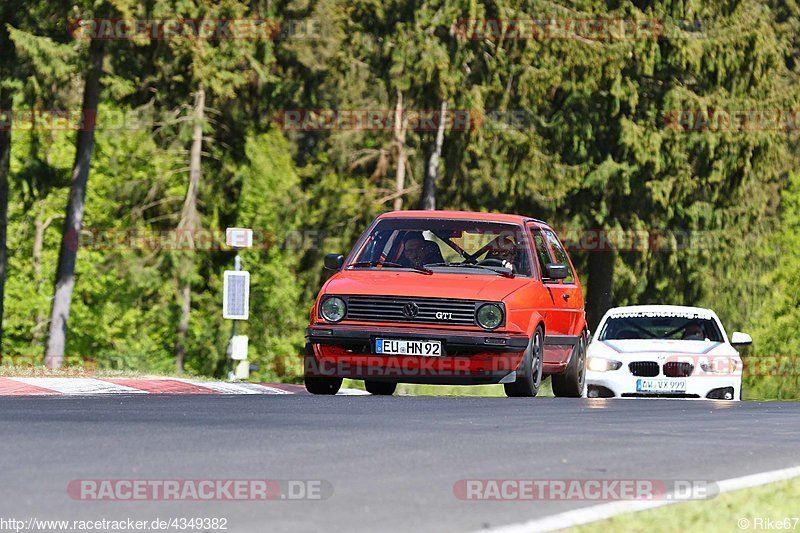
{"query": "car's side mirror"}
(741, 339)
(556, 271)
(334, 261)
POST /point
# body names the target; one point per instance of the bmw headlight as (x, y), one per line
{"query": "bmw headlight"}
(489, 316)
(720, 365)
(600, 364)
(333, 309)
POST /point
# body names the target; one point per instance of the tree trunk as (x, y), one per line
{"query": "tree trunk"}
(40, 227)
(428, 199)
(400, 147)
(188, 223)
(5, 157)
(65, 273)
(601, 277)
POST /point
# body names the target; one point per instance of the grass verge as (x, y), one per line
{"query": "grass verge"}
(743, 510)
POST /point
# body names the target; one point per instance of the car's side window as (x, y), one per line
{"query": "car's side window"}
(377, 247)
(561, 255)
(542, 252)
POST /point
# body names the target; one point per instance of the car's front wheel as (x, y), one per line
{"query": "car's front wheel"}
(529, 373)
(316, 384)
(380, 388)
(570, 383)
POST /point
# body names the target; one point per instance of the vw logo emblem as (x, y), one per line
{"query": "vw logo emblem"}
(410, 310)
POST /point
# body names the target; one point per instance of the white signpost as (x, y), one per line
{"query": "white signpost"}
(236, 295)
(236, 302)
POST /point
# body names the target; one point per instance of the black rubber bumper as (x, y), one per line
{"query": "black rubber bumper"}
(562, 340)
(350, 336)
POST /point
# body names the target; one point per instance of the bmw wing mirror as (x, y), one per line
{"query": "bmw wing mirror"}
(334, 261)
(741, 339)
(556, 271)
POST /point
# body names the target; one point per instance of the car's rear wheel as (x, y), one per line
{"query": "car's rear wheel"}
(570, 384)
(380, 388)
(529, 373)
(316, 384)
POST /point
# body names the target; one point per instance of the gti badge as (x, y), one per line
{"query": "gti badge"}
(444, 316)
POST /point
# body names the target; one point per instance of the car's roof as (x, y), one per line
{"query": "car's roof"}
(666, 309)
(467, 215)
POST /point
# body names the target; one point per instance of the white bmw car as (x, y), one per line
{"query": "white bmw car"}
(664, 351)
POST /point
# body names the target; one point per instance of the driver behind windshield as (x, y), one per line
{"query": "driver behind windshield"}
(503, 251)
(694, 332)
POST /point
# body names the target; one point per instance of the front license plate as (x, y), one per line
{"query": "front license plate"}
(660, 385)
(407, 347)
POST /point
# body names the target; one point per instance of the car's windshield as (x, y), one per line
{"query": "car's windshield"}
(661, 327)
(446, 244)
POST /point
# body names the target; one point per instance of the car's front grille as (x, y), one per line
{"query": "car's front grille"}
(678, 369)
(420, 310)
(646, 369)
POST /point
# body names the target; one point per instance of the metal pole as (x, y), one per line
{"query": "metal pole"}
(237, 266)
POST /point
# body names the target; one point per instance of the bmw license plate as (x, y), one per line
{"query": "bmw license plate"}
(408, 347)
(660, 385)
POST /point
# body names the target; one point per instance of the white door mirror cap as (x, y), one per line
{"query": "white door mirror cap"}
(741, 338)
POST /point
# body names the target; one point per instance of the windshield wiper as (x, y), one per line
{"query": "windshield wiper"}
(504, 273)
(389, 264)
(375, 263)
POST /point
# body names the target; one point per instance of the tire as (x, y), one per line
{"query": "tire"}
(315, 384)
(529, 373)
(328, 386)
(570, 384)
(380, 388)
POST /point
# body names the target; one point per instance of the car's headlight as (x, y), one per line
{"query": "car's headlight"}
(333, 309)
(599, 364)
(489, 316)
(720, 366)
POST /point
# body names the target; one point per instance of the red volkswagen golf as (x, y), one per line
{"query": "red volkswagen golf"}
(448, 297)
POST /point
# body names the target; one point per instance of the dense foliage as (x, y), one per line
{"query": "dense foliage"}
(592, 134)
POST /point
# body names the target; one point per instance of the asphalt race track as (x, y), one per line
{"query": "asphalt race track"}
(392, 461)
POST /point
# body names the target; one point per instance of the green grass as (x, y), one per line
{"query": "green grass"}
(775, 501)
(771, 377)
(407, 389)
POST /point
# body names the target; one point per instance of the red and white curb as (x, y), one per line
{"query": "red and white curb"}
(14, 386)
